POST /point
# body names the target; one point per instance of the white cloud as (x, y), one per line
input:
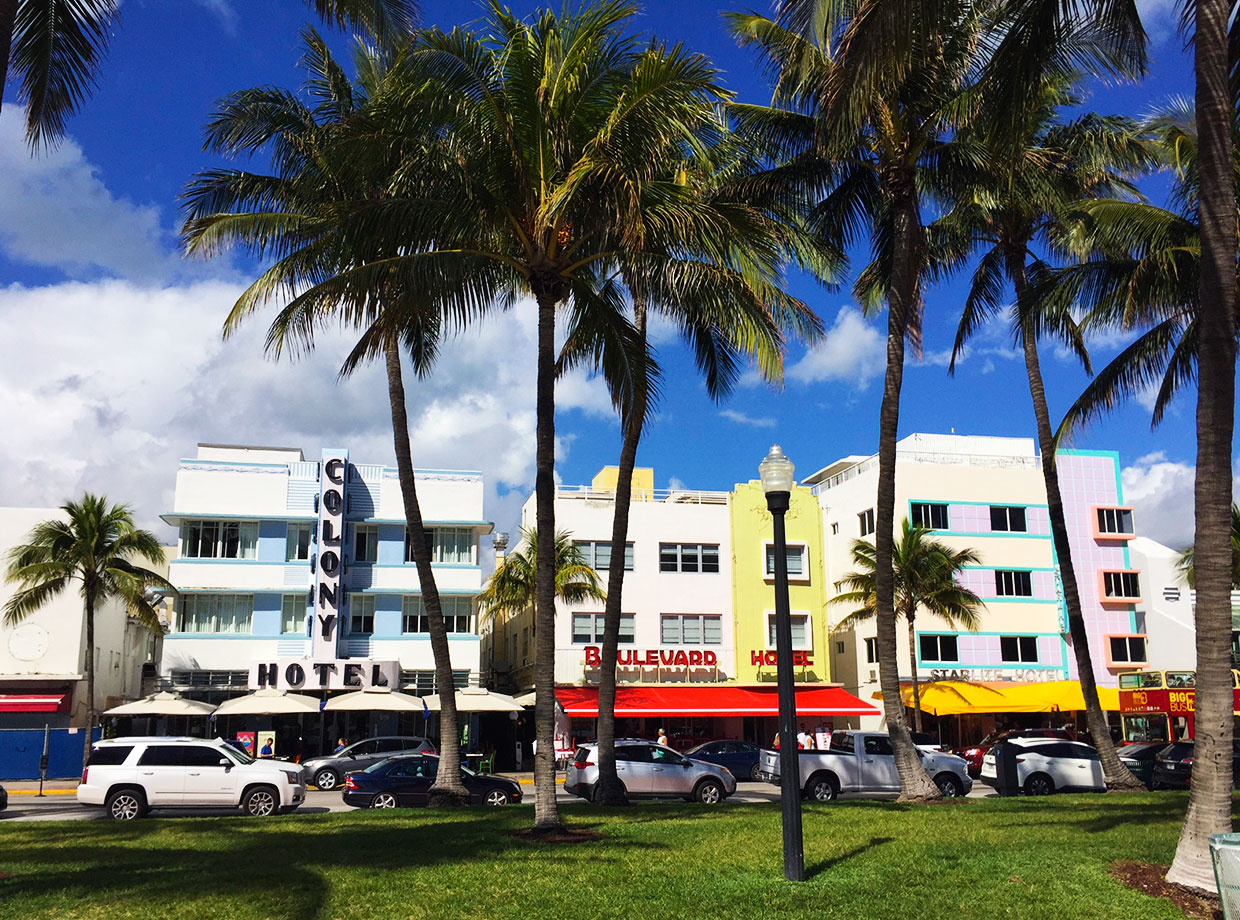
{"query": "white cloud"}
(222, 9)
(1160, 18)
(1161, 494)
(853, 351)
(742, 419)
(56, 212)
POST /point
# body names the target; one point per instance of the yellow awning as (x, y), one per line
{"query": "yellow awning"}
(958, 697)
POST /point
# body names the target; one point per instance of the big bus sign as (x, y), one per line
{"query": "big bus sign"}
(1161, 705)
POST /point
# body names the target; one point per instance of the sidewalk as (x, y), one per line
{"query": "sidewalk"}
(31, 787)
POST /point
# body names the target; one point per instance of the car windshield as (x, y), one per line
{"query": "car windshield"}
(238, 755)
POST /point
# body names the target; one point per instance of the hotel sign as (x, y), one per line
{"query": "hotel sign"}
(329, 557)
(336, 674)
(654, 658)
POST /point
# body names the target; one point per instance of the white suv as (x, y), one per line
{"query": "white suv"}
(132, 775)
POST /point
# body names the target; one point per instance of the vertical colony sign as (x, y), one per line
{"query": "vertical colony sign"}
(329, 561)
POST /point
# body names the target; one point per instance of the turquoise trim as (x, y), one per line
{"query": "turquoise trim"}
(995, 533)
(405, 565)
(1021, 568)
(1020, 600)
(940, 632)
(413, 592)
(425, 524)
(987, 504)
(195, 560)
(194, 461)
(283, 589)
(1074, 452)
(169, 517)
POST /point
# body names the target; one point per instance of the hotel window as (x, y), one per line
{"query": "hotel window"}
(217, 613)
(1008, 518)
(423, 683)
(588, 628)
(1127, 650)
(447, 545)
(361, 613)
(1121, 584)
(365, 543)
(801, 640)
(458, 613)
(598, 554)
(690, 629)
(1115, 520)
(293, 614)
(938, 648)
(299, 542)
(871, 650)
(865, 520)
(797, 567)
(1013, 583)
(932, 516)
(219, 539)
(1018, 648)
(688, 557)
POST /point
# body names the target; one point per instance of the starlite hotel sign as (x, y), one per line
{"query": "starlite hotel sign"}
(324, 669)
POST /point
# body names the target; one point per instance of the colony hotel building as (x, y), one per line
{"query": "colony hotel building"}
(296, 574)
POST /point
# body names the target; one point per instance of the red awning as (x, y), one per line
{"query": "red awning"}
(712, 701)
(33, 702)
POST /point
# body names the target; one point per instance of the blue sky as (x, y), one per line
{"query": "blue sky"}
(113, 367)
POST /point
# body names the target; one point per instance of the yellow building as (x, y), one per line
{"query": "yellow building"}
(753, 586)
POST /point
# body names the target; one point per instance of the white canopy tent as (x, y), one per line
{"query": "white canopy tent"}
(162, 704)
(476, 699)
(375, 699)
(269, 702)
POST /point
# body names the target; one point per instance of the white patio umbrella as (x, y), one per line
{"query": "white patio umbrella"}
(476, 699)
(525, 699)
(162, 704)
(375, 699)
(268, 702)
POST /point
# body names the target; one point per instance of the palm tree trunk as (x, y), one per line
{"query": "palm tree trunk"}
(1209, 802)
(915, 785)
(546, 812)
(8, 19)
(912, 666)
(448, 788)
(611, 790)
(89, 591)
(1118, 777)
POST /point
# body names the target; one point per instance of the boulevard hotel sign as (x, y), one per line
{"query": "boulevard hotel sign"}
(325, 669)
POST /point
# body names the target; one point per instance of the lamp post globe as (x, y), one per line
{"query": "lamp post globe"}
(776, 471)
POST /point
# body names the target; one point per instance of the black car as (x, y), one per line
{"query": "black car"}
(1139, 758)
(4, 799)
(740, 757)
(403, 782)
(1173, 765)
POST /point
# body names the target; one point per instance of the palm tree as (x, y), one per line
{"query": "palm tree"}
(1189, 570)
(296, 214)
(55, 47)
(925, 577)
(95, 544)
(870, 95)
(513, 586)
(544, 175)
(1026, 190)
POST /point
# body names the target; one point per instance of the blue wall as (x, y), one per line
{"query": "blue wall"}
(20, 750)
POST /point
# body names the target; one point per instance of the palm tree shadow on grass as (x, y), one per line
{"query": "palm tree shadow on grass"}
(825, 865)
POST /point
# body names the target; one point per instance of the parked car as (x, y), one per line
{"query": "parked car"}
(863, 762)
(405, 781)
(1047, 765)
(1173, 766)
(651, 770)
(978, 751)
(740, 757)
(4, 799)
(130, 776)
(328, 772)
(1139, 759)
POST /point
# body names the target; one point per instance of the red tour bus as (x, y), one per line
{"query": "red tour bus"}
(1160, 705)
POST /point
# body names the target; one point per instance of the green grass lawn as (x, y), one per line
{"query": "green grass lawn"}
(981, 858)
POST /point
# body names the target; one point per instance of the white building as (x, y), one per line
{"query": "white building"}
(266, 534)
(43, 658)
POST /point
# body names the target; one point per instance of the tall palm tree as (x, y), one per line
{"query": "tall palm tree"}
(513, 585)
(54, 48)
(96, 545)
(925, 578)
(870, 95)
(546, 175)
(1026, 191)
(295, 213)
(1185, 563)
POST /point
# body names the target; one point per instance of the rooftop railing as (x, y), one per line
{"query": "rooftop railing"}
(675, 496)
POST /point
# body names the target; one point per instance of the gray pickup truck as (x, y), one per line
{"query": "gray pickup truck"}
(863, 762)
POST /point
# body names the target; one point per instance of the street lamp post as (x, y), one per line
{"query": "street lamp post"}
(775, 472)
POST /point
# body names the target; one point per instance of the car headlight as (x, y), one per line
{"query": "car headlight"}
(294, 778)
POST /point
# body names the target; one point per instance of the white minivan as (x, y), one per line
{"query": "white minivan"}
(1046, 765)
(130, 776)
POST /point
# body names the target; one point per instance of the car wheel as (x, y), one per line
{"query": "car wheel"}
(326, 780)
(497, 797)
(822, 788)
(949, 785)
(126, 805)
(260, 802)
(1039, 784)
(709, 792)
(755, 773)
(383, 800)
